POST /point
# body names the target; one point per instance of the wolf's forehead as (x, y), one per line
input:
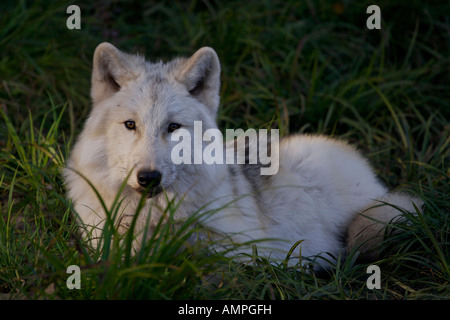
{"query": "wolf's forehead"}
(151, 93)
(154, 75)
(155, 88)
(161, 71)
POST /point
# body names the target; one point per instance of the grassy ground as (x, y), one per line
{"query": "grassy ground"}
(300, 66)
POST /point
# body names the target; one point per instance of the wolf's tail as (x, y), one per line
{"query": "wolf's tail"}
(368, 228)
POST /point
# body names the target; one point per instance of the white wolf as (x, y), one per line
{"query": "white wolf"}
(323, 192)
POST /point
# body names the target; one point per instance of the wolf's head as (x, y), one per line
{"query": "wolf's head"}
(137, 105)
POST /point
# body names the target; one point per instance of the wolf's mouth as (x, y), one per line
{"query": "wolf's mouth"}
(149, 192)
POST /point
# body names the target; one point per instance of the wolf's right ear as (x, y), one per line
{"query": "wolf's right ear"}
(110, 71)
(201, 76)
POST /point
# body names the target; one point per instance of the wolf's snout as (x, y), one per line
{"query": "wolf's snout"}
(148, 178)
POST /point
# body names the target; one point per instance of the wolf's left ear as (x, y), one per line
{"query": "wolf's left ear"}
(201, 76)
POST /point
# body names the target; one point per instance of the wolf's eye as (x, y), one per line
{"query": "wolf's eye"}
(130, 125)
(173, 126)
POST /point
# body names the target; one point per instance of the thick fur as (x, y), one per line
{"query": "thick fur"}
(320, 193)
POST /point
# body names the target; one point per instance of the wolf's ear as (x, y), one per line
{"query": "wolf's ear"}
(110, 71)
(201, 76)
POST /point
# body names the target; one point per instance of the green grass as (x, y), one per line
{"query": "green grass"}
(299, 66)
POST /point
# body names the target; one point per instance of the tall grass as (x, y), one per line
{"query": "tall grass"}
(301, 67)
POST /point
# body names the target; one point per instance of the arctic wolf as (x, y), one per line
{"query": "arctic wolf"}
(324, 192)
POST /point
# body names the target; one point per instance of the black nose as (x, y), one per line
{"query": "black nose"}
(149, 178)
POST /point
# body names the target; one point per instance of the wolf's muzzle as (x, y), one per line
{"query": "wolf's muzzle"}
(149, 181)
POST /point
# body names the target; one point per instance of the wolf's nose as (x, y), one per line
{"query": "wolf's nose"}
(149, 178)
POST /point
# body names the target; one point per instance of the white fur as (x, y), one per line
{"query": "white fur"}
(321, 186)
